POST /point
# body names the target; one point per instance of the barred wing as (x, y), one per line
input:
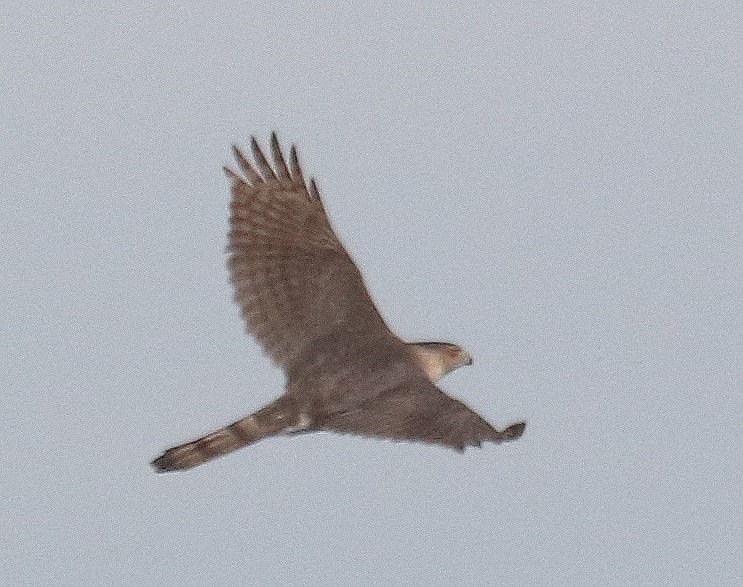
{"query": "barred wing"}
(420, 411)
(294, 282)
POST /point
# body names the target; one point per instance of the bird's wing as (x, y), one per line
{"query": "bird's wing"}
(418, 410)
(294, 282)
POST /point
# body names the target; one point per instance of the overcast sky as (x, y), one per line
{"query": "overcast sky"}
(558, 189)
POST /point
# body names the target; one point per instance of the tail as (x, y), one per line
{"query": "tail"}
(269, 421)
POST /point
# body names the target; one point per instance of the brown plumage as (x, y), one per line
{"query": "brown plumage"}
(304, 300)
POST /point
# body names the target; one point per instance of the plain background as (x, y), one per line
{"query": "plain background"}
(555, 186)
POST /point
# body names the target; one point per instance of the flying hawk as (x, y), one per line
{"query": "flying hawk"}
(304, 300)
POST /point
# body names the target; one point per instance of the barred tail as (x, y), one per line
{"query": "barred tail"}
(268, 421)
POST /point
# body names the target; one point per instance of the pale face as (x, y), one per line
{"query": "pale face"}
(439, 358)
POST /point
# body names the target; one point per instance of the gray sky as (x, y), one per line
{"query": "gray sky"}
(559, 190)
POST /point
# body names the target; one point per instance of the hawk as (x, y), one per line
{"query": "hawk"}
(304, 300)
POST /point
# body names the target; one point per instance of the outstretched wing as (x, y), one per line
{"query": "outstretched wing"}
(418, 410)
(294, 281)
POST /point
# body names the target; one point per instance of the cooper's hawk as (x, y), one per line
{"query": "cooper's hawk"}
(304, 300)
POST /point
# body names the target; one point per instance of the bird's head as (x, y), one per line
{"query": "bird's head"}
(439, 358)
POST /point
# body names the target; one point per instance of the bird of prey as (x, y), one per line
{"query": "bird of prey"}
(304, 300)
